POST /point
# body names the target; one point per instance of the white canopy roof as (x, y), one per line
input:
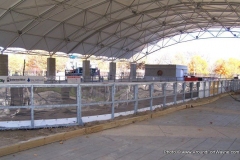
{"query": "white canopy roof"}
(108, 28)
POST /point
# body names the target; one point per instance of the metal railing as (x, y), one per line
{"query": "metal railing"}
(53, 105)
(63, 79)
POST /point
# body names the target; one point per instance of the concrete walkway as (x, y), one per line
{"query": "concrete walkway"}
(207, 132)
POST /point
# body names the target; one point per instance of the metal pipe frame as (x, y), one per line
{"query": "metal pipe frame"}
(201, 88)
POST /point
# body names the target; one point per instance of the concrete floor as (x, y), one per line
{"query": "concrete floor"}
(207, 132)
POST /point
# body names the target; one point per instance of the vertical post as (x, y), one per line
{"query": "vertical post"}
(112, 71)
(183, 88)
(235, 85)
(51, 68)
(221, 82)
(136, 98)
(191, 89)
(229, 86)
(133, 71)
(164, 94)
(238, 85)
(225, 86)
(204, 89)
(3, 64)
(209, 88)
(175, 92)
(198, 89)
(151, 95)
(236, 82)
(232, 82)
(32, 108)
(24, 64)
(79, 105)
(113, 99)
(214, 87)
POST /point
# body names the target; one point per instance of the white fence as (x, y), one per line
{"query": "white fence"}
(53, 105)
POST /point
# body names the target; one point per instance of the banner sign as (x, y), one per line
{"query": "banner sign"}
(21, 79)
(73, 79)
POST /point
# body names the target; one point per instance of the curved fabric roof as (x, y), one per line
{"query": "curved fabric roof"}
(108, 28)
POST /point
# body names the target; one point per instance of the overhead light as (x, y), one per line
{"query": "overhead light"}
(19, 32)
(67, 39)
(214, 19)
(134, 12)
(198, 6)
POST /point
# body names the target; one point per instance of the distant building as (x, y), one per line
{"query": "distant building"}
(161, 72)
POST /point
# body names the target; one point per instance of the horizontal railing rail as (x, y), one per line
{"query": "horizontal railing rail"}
(54, 105)
(87, 79)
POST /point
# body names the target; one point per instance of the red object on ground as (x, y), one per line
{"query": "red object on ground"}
(191, 79)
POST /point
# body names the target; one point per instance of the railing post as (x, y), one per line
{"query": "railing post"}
(214, 86)
(184, 88)
(136, 98)
(235, 85)
(209, 88)
(79, 105)
(198, 89)
(175, 92)
(113, 100)
(151, 95)
(238, 85)
(230, 84)
(221, 82)
(32, 108)
(225, 86)
(191, 89)
(204, 88)
(164, 94)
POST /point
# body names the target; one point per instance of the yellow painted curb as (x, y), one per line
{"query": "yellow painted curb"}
(6, 150)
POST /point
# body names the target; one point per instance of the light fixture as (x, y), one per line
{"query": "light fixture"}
(19, 32)
(134, 12)
(67, 39)
(198, 6)
(214, 19)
